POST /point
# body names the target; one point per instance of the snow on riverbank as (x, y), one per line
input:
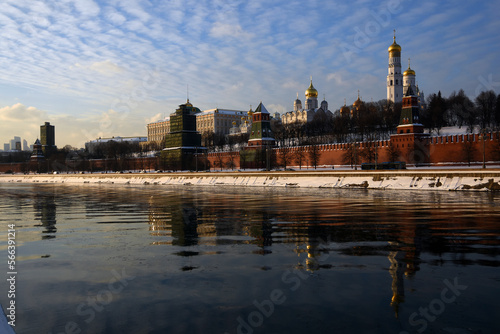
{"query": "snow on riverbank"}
(483, 180)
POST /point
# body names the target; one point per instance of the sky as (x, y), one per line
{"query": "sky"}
(97, 68)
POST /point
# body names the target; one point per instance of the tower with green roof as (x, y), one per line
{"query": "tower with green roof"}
(183, 142)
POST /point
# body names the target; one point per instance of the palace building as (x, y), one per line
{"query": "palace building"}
(212, 120)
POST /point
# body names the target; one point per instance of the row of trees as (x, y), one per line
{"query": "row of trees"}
(459, 110)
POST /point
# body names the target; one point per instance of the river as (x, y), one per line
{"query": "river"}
(186, 259)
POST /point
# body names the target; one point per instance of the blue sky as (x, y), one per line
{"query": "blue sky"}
(107, 68)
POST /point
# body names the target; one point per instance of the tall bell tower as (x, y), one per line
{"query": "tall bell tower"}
(395, 77)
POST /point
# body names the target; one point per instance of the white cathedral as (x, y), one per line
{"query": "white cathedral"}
(306, 115)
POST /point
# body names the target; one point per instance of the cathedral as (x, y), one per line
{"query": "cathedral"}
(306, 115)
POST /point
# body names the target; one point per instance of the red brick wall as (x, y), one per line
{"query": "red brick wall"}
(438, 149)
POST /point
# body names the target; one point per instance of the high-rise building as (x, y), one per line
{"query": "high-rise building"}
(6, 147)
(15, 144)
(48, 138)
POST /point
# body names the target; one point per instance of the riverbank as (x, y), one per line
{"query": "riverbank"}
(448, 180)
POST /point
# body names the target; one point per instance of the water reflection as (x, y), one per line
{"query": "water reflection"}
(45, 211)
(368, 256)
(369, 224)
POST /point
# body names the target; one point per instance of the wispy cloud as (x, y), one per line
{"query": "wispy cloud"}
(100, 55)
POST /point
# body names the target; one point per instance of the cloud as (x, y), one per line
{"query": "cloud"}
(223, 30)
(87, 8)
(154, 118)
(106, 67)
(20, 113)
(21, 121)
(89, 54)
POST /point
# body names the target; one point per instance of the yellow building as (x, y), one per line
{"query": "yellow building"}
(158, 130)
(218, 120)
(211, 120)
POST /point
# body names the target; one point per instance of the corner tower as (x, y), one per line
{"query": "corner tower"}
(395, 77)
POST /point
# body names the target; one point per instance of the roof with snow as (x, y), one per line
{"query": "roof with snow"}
(261, 109)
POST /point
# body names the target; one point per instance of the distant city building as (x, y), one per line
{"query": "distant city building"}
(91, 146)
(48, 138)
(306, 115)
(15, 144)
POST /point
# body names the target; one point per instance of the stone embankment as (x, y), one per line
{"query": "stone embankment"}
(450, 180)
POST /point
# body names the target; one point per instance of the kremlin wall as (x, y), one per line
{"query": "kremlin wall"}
(435, 150)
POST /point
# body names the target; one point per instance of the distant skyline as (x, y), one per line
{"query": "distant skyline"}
(107, 68)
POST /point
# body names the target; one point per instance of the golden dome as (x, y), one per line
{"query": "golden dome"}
(358, 102)
(311, 91)
(409, 71)
(395, 47)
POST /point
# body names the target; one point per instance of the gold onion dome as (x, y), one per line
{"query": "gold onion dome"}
(395, 47)
(358, 102)
(311, 91)
(409, 71)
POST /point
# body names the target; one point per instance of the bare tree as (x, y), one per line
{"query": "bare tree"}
(350, 156)
(468, 150)
(285, 155)
(299, 156)
(314, 154)
(219, 161)
(393, 153)
(486, 104)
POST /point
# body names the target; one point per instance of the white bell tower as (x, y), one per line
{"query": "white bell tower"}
(395, 77)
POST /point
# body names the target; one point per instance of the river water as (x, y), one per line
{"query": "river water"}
(159, 259)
